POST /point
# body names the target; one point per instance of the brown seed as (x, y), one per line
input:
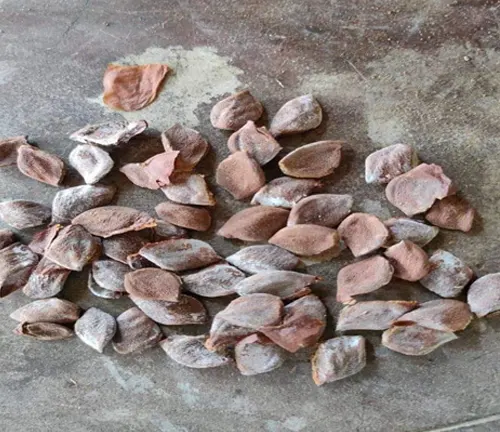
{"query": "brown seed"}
(484, 295)
(388, 163)
(189, 189)
(192, 147)
(110, 274)
(137, 262)
(215, 281)
(40, 165)
(234, 111)
(17, 261)
(285, 192)
(120, 246)
(415, 191)
(257, 354)
(9, 148)
(135, 332)
(194, 218)
(452, 213)
(179, 255)
(91, 162)
(69, 203)
(314, 160)
(373, 315)
(297, 115)
(187, 310)
(131, 88)
(302, 326)
(161, 167)
(254, 224)
(153, 284)
(136, 173)
(323, 209)
(44, 331)
(112, 220)
(43, 239)
(47, 310)
(96, 328)
(166, 231)
(410, 261)
(190, 351)
(363, 277)
(101, 292)
(240, 175)
(338, 358)
(448, 275)
(73, 248)
(7, 237)
(109, 134)
(22, 214)
(47, 280)
(411, 230)
(224, 334)
(363, 233)
(260, 258)
(415, 340)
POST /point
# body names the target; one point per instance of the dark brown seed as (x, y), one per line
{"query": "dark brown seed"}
(187, 310)
(109, 134)
(363, 233)
(363, 277)
(415, 340)
(240, 175)
(257, 354)
(179, 255)
(224, 334)
(110, 274)
(302, 326)
(297, 115)
(234, 111)
(119, 247)
(7, 237)
(47, 280)
(17, 261)
(40, 165)
(112, 220)
(136, 173)
(285, 192)
(192, 147)
(73, 248)
(9, 148)
(69, 203)
(411, 230)
(161, 167)
(137, 262)
(165, 231)
(254, 224)
(373, 315)
(215, 281)
(338, 358)
(452, 213)
(260, 258)
(43, 239)
(153, 284)
(135, 332)
(388, 163)
(323, 209)
(47, 310)
(410, 261)
(194, 218)
(190, 351)
(189, 189)
(44, 331)
(91, 162)
(96, 328)
(101, 292)
(484, 295)
(22, 214)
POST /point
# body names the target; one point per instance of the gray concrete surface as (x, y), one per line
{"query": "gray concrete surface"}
(424, 72)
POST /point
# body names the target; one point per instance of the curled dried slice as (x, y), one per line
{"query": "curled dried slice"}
(257, 354)
(192, 147)
(160, 167)
(189, 189)
(194, 218)
(109, 134)
(190, 351)
(9, 148)
(388, 163)
(136, 173)
(363, 233)
(47, 310)
(17, 261)
(187, 310)
(259, 258)
(255, 224)
(234, 111)
(452, 213)
(110, 275)
(22, 214)
(7, 237)
(410, 261)
(47, 280)
(323, 209)
(91, 162)
(297, 115)
(408, 229)
(120, 246)
(43, 239)
(284, 191)
(101, 292)
(153, 284)
(484, 295)
(96, 328)
(40, 165)
(215, 281)
(224, 334)
(44, 331)
(165, 231)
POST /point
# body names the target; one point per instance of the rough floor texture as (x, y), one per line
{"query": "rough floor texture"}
(423, 72)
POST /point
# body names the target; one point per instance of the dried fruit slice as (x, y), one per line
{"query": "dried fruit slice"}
(363, 233)
(194, 218)
(43, 239)
(91, 162)
(189, 189)
(136, 173)
(410, 261)
(153, 284)
(7, 237)
(17, 261)
(160, 167)
(260, 258)
(388, 163)
(224, 334)
(47, 280)
(215, 281)
(22, 214)
(44, 331)
(254, 224)
(284, 192)
(47, 310)
(257, 354)
(187, 310)
(234, 111)
(9, 148)
(322, 209)
(484, 295)
(411, 230)
(40, 165)
(110, 133)
(96, 328)
(297, 115)
(338, 358)
(192, 147)
(452, 213)
(110, 275)
(120, 246)
(101, 292)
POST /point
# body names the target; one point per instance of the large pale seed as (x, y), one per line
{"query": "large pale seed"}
(40, 165)
(22, 214)
(452, 213)
(408, 229)
(110, 133)
(44, 331)
(119, 247)
(388, 163)
(17, 261)
(323, 209)
(91, 162)
(187, 310)
(297, 115)
(216, 281)
(136, 173)
(192, 147)
(260, 258)
(47, 310)
(161, 167)
(224, 334)
(153, 284)
(9, 148)
(165, 230)
(285, 191)
(7, 237)
(257, 354)
(43, 239)
(194, 218)
(101, 292)
(47, 280)
(95, 328)
(363, 233)
(234, 111)
(410, 261)
(110, 274)
(189, 189)
(484, 295)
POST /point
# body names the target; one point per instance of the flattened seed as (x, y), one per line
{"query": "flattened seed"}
(363, 233)
(363, 277)
(73, 248)
(17, 261)
(47, 280)
(40, 165)
(110, 274)
(192, 147)
(284, 192)
(215, 281)
(452, 213)
(47, 310)
(7, 237)
(254, 224)
(91, 162)
(101, 292)
(484, 295)
(9, 148)
(161, 166)
(153, 284)
(44, 331)
(165, 230)
(373, 315)
(22, 214)
(96, 328)
(197, 219)
(240, 175)
(323, 209)
(136, 173)
(189, 189)
(302, 326)
(448, 276)
(388, 163)
(338, 358)
(410, 261)
(135, 332)
(260, 258)
(297, 115)
(257, 142)
(180, 254)
(187, 310)
(234, 111)
(119, 247)
(137, 262)
(112, 220)
(224, 334)
(313, 160)
(415, 340)
(43, 239)
(69, 203)
(257, 354)
(411, 230)
(190, 351)
(109, 134)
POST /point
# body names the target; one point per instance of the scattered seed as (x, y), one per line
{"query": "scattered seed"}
(260, 258)
(166, 231)
(47, 280)
(410, 261)
(120, 246)
(284, 192)
(109, 134)
(257, 354)
(40, 165)
(91, 162)
(484, 295)
(215, 281)
(17, 261)
(136, 173)
(137, 262)
(9, 148)
(110, 274)
(452, 213)
(7, 237)
(43, 239)
(161, 167)
(44, 331)
(101, 292)
(192, 147)
(22, 214)
(95, 328)
(153, 284)
(224, 334)
(388, 163)
(411, 230)
(323, 209)
(363, 233)
(47, 310)
(297, 115)
(187, 310)
(194, 218)
(234, 111)
(189, 189)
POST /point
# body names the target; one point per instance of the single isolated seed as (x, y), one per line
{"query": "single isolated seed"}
(22, 214)
(40, 165)
(194, 218)
(41, 241)
(224, 334)
(187, 310)
(9, 148)
(47, 310)
(260, 258)
(110, 133)
(388, 163)
(297, 115)
(91, 162)
(363, 233)
(17, 261)
(410, 261)
(47, 280)
(7, 237)
(322, 209)
(408, 229)
(44, 331)
(234, 111)
(153, 284)
(136, 173)
(285, 192)
(215, 281)
(95, 328)
(110, 275)
(484, 295)
(189, 188)
(257, 354)
(452, 213)
(160, 167)
(101, 292)
(120, 246)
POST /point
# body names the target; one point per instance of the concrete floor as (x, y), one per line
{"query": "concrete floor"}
(424, 72)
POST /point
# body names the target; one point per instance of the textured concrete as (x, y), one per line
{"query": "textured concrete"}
(424, 72)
